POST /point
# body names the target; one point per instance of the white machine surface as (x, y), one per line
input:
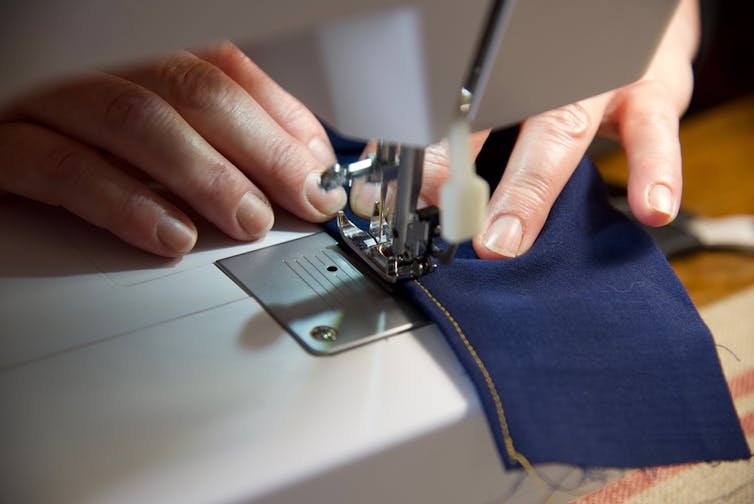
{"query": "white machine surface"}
(128, 378)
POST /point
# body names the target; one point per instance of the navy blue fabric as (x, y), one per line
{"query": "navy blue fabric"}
(594, 348)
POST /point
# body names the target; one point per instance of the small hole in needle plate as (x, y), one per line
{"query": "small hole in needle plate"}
(332, 269)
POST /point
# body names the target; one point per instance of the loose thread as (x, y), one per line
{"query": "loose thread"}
(510, 449)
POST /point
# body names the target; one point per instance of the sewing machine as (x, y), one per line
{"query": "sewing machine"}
(125, 377)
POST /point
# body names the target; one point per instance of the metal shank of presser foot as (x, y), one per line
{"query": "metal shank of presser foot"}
(403, 247)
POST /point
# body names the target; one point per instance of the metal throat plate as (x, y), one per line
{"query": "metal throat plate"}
(310, 286)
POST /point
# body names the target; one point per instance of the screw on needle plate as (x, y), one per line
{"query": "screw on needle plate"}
(324, 333)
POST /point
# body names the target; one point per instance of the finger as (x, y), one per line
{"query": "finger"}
(282, 107)
(137, 125)
(548, 149)
(437, 166)
(222, 112)
(648, 129)
(45, 166)
(364, 195)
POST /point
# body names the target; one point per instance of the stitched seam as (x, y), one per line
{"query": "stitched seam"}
(513, 454)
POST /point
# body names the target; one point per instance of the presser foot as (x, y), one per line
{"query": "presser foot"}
(399, 244)
(380, 256)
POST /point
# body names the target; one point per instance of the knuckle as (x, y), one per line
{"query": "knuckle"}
(666, 107)
(647, 86)
(532, 192)
(228, 54)
(218, 181)
(654, 119)
(132, 109)
(437, 159)
(567, 125)
(193, 82)
(295, 115)
(66, 171)
(237, 66)
(284, 161)
(127, 213)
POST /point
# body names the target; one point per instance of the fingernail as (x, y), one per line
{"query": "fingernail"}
(322, 151)
(175, 235)
(254, 215)
(661, 199)
(363, 197)
(504, 236)
(325, 202)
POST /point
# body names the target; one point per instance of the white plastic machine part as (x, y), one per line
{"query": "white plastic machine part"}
(464, 195)
(554, 53)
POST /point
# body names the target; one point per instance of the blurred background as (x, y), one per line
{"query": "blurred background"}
(717, 139)
(724, 67)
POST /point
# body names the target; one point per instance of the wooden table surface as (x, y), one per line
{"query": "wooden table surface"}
(718, 171)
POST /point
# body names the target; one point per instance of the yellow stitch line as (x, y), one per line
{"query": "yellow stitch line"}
(514, 454)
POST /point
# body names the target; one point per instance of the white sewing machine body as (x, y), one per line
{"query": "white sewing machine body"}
(128, 378)
(388, 69)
